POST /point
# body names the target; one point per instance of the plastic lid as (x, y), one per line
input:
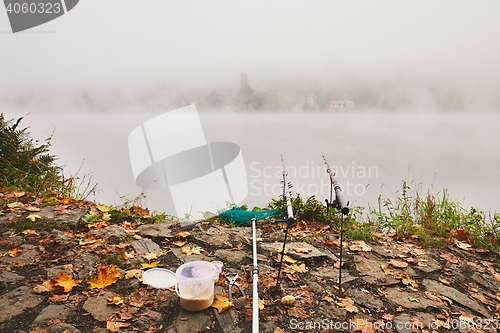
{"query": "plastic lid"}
(159, 278)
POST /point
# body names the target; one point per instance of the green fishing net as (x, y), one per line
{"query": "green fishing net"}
(240, 216)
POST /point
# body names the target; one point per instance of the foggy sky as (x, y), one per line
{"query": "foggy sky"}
(131, 44)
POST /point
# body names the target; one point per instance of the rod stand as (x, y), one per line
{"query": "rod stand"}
(290, 221)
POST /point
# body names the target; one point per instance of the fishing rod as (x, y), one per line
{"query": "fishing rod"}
(338, 202)
(288, 217)
(255, 272)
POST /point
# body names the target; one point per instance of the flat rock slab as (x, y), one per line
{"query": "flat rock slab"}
(156, 230)
(16, 301)
(403, 323)
(371, 272)
(98, 306)
(456, 296)
(72, 218)
(487, 281)
(6, 276)
(413, 301)
(233, 256)
(112, 230)
(306, 250)
(332, 273)
(145, 245)
(228, 320)
(54, 311)
(29, 255)
(63, 328)
(191, 322)
(430, 266)
(365, 299)
(221, 237)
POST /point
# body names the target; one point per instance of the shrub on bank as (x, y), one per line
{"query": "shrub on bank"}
(26, 164)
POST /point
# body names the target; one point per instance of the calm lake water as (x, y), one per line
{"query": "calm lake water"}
(372, 153)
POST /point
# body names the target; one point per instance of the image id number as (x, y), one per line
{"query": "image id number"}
(45, 8)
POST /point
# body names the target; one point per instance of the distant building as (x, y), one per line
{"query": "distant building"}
(340, 104)
(311, 99)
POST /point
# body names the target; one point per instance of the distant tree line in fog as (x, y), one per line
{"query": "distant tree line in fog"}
(299, 94)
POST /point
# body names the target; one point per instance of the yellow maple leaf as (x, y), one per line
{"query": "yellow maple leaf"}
(180, 243)
(261, 304)
(66, 281)
(15, 251)
(15, 205)
(183, 234)
(154, 264)
(328, 299)
(103, 208)
(222, 303)
(115, 300)
(187, 250)
(106, 275)
(33, 217)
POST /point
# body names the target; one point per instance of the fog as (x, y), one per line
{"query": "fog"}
(408, 53)
(423, 78)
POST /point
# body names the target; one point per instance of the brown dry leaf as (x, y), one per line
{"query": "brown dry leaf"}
(388, 317)
(411, 260)
(180, 243)
(66, 281)
(222, 303)
(106, 276)
(398, 263)
(15, 251)
(153, 264)
(359, 245)
(348, 304)
(15, 194)
(302, 250)
(408, 281)
(128, 255)
(150, 256)
(240, 246)
(298, 313)
(444, 281)
(286, 259)
(43, 288)
(328, 299)
(30, 208)
(389, 270)
(450, 257)
(29, 232)
(134, 273)
(279, 330)
(463, 245)
(295, 268)
(136, 302)
(115, 300)
(183, 234)
(114, 326)
(196, 250)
